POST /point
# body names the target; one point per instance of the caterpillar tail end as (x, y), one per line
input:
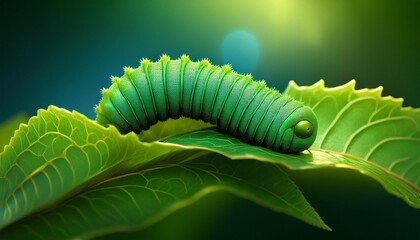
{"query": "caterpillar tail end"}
(100, 117)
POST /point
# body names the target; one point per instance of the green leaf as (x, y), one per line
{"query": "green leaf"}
(65, 176)
(58, 153)
(8, 128)
(136, 200)
(379, 138)
(363, 124)
(365, 127)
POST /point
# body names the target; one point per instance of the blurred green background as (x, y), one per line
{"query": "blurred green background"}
(63, 53)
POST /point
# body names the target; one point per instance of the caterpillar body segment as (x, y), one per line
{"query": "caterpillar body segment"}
(238, 105)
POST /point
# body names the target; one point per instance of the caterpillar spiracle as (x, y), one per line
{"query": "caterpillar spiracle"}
(238, 105)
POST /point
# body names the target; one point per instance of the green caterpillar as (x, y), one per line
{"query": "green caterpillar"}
(156, 91)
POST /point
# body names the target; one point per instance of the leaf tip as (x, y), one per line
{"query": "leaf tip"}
(350, 84)
(293, 84)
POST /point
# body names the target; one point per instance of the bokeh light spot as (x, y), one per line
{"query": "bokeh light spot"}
(240, 49)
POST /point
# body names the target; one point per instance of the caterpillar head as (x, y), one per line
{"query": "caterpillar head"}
(301, 130)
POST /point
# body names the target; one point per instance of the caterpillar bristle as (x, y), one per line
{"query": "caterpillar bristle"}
(127, 70)
(185, 58)
(227, 68)
(272, 89)
(104, 92)
(164, 58)
(205, 62)
(262, 83)
(144, 62)
(97, 109)
(114, 79)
